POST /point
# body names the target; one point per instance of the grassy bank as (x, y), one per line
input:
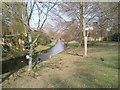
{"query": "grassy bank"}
(41, 47)
(70, 69)
(100, 41)
(18, 46)
(73, 44)
(89, 43)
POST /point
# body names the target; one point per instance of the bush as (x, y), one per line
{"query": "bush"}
(113, 37)
(116, 37)
(43, 39)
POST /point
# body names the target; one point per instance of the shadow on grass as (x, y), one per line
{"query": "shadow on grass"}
(7, 76)
(12, 65)
(76, 54)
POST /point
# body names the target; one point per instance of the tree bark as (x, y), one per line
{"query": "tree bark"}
(84, 32)
(30, 39)
(85, 45)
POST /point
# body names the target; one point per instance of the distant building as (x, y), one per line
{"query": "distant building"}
(95, 34)
(95, 39)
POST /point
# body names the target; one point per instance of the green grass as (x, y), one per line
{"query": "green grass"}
(96, 73)
(87, 72)
(76, 44)
(93, 73)
(41, 47)
(65, 70)
(73, 44)
(100, 41)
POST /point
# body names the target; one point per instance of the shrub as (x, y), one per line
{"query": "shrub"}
(113, 37)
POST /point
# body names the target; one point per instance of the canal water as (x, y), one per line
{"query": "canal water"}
(59, 47)
(19, 62)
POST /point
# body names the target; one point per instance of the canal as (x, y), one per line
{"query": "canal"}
(15, 64)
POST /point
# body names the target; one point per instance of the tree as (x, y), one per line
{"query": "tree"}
(41, 6)
(14, 17)
(11, 20)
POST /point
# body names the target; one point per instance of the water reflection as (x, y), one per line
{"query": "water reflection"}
(59, 47)
(19, 62)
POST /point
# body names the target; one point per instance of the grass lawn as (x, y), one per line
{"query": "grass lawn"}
(100, 41)
(70, 69)
(73, 44)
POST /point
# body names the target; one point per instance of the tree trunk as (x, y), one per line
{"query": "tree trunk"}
(85, 45)
(84, 32)
(30, 52)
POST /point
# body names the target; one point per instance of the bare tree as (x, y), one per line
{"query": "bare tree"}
(85, 13)
(29, 11)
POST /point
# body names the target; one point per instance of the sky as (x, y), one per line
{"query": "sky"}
(35, 18)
